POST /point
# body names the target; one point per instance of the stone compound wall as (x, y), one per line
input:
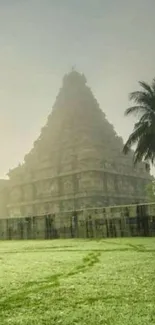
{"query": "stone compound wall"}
(117, 221)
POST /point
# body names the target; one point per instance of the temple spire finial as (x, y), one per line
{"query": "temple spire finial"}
(73, 67)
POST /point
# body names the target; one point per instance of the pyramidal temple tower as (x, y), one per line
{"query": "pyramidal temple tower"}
(76, 162)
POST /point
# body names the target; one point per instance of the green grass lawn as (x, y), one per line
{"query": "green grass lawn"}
(78, 282)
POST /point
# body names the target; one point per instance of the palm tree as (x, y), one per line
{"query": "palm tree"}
(143, 135)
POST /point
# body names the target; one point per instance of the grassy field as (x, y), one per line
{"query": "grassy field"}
(78, 282)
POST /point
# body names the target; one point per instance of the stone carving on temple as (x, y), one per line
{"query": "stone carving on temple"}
(28, 192)
(110, 184)
(54, 188)
(29, 210)
(15, 194)
(15, 212)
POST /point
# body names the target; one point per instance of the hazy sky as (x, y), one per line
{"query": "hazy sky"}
(111, 41)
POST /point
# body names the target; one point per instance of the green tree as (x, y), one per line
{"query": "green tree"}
(143, 134)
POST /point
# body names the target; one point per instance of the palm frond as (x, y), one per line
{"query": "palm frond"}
(145, 150)
(143, 99)
(140, 97)
(147, 166)
(139, 130)
(146, 86)
(153, 86)
(141, 151)
(143, 135)
(146, 118)
(139, 109)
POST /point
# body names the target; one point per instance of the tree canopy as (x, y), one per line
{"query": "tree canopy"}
(143, 134)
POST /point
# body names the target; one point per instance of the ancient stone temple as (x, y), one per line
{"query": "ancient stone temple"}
(77, 161)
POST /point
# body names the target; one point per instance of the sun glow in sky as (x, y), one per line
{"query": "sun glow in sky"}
(111, 42)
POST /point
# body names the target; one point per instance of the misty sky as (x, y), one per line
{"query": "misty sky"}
(111, 41)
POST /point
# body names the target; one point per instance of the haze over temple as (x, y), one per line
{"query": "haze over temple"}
(77, 161)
